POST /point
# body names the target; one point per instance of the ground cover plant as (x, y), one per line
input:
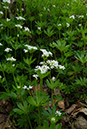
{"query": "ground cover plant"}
(42, 44)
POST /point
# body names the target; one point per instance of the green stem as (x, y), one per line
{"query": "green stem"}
(39, 115)
(29, 122)
(41, 84)
(52, 98)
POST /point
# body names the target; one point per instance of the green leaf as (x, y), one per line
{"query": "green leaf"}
(32, 101)
(18, 111)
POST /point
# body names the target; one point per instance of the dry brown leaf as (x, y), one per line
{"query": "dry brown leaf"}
(69, 110)
(61, 105)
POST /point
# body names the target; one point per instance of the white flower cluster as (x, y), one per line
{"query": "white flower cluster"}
(45, 53)
(28, 88)
(1, 44)
(43, 69)
(11, 59)
(54, 6)
(31, 47)
(8, 49)
(26, 29)
(80, 16)
(20, 18)
(35, 76)
(73, 17)
(52, 63)
(8, 1)
(18, 26)
(1, 12)
(58, 113)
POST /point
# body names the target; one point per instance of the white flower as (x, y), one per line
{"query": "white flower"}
(20, 18)
(27, 29)
(13, 65)
(53, 119)
(58, 113)
(1, 12)
(61, 67)
(80, 25)
(80, 16)
(44, 8)
(54, 5)
(25, 87)
(11, 59)
(31, 47)
(73, 17)
(8, 49)
(35, 76)
(53, 78)
(30, 87)
(25, 50)
(59, 24)
(1, 44)
(18, 87)
(8, 1)
(52, 63)
(45, 53)
(8, 19)
(39, 28)
(0, 76)
(43, 69)
(68, 4)
(5, 7)
(48, 9)
(18, 26)
(17, 35)
(67, 24)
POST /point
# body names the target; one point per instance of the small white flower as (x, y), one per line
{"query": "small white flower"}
(13, 65)
(68, 4)
(0, 76)
(48, 9)
(44, 8)
(73, 17)
(25, 50)
(18, 87)
(25, 87)
(35, 76)
(39, 28)
(30, 87)
(54, 5)
(8, 19)
(17, 35)
(53, 78)
(61, 67)
(5, 7)
(26, 29)
(1, 24)
(67, 24)
(80, 25)
(31, 47)
(8, 1)
(59, 24)
(80, 16)
(22, 9)
(1, 12)
(8, 49)
(20, 18)
(58, 113)
(11, 59)
(53, 119)
(1, 44)
(18, 26)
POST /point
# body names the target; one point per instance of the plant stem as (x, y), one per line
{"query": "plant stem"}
(39, 115)
(52, 98)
